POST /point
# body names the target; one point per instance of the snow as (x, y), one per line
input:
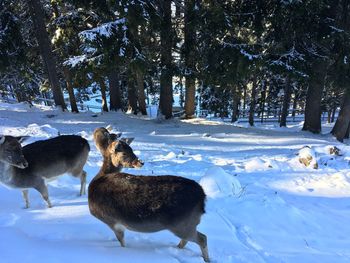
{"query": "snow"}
(75, 61)
(104, 30)
(217, 183)
(262, 204)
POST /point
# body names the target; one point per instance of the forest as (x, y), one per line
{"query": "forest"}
(228, 58)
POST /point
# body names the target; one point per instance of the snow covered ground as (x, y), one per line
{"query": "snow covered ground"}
(263, 205)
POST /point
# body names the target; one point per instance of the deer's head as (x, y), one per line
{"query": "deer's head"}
(122, 155)
(11, 151)
(103, 138)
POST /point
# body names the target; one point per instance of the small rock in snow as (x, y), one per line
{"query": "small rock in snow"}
(307, 157)
(333, 150)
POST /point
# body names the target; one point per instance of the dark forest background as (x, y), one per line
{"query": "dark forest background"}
(234, 58)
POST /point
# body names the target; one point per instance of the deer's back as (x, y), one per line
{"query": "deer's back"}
(53, 157)
(145, 200)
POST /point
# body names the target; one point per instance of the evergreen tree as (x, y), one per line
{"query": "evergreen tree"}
(166, 83)
(190, 24)
(37, 15)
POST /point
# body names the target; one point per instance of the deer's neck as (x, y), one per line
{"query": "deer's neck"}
(5, 173)
(108, 167)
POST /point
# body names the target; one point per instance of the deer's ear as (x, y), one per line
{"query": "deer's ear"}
(118, 147)
(114, 136)
(21, 139)
(127, 140)
(109, 128)
(2, 139)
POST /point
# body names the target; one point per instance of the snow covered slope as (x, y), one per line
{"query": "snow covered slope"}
(263, 205)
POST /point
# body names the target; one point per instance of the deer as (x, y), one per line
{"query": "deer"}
(102, 137)
(33, 165)
(144, 203)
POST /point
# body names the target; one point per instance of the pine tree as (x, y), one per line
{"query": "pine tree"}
(37, 16)
(341, 127)
(190, 56)
(166, 84)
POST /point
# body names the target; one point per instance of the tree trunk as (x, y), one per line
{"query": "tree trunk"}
(244, 108)
(263, 100)
(103, 94)
(252, 104)
(334, 110)
(286, 101)
(132, 98)
(296, 97)
(190, 97)
(313, 99)
(329, 115)
(340, 129)
(18, 94)
(115, 102)
(235, 103)
(141, 97)
(182, 94)
(37, 15)
(72, 100)
(166, 85)
(347, 133)
(190, 63)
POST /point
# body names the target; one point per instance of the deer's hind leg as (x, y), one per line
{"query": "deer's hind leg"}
(187, 231)
(182, 243)
(198, 238)
(78, 172)
(119, 233)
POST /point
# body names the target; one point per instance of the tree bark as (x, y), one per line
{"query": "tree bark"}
(103, 94)
(132, 99)
(313, 99)
(166, 85)
(18, 94)
(340, 129)
(190, 63)
(235, 103)
(296, 97)
(347, 133)
(141, 96)
(37, 15)
(115, 102)
(286, 101)
(72, 100)
(262, 102)
(244, 108)
(334, 110)
(252, 104)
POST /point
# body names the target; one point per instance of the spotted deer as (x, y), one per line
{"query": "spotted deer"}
(144, 203)
(33, 165)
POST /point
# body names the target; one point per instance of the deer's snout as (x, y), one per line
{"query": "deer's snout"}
(25, 164)
(22, 163)
(138, 163)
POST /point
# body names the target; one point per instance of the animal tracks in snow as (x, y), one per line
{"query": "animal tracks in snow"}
(7, 220)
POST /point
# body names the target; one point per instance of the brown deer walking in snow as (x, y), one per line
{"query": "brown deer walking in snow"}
(33, 165)
(144, 203)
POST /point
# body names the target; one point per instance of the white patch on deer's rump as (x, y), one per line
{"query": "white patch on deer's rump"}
(118, 226)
